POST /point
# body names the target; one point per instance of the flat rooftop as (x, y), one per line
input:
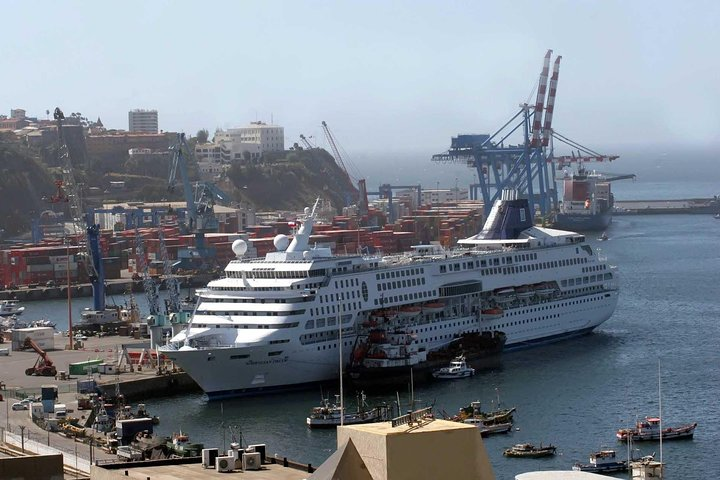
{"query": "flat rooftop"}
(268, 471)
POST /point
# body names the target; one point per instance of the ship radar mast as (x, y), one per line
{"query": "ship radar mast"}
(302, 237)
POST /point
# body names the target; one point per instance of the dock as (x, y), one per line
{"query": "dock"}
(706, 206)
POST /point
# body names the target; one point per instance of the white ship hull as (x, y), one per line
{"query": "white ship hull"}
(298, 365)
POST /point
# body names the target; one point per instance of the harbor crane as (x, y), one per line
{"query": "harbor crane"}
(87, 232)
(340, 162)
(43, 365)
(201, 217)
(522, 167)
(306, 142)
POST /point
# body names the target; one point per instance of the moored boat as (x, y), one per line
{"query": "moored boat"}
(458, 368)
(383, 360)
(528, 450)
(10, 307)
(602, 461)
(330, 415)
(473, 414)
(649, 429)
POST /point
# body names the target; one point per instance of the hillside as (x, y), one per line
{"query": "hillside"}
(287, 180)
(24, 181)
(291, 180)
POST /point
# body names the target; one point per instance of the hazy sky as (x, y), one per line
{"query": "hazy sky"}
(385, 75)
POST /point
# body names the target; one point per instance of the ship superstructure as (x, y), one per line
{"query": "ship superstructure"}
(278, 322)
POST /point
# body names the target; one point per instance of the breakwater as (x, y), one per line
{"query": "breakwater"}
(709, 206)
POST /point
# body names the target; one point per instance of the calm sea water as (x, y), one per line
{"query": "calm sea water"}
(573, 394)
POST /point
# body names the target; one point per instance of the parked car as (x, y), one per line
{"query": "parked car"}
(19, 406)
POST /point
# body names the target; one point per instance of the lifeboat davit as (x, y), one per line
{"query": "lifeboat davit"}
(524, 292)
(504, 294)
(545, 289)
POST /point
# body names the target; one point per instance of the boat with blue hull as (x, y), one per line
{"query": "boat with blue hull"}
(260, 327)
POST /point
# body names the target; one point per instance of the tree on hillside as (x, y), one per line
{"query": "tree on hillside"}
(202, 136)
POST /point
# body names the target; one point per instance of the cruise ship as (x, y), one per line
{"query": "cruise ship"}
(283, 321)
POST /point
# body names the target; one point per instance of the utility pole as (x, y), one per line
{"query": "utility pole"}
(22, 438)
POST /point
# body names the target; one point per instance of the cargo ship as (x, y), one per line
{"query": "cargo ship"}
(587, 202)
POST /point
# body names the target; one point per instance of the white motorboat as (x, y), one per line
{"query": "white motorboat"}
(458, 368)
(10, 307)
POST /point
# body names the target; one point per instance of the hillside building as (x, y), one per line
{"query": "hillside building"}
(243, 144)
(143, 121)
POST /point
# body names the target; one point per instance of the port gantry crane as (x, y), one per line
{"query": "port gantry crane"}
(523, 167)
(87, 232)
(349, 196)
(200, 214)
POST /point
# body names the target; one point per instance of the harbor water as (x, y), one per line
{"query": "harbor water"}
(574, 394)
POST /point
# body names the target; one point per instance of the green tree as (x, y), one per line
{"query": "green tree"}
(202, 136)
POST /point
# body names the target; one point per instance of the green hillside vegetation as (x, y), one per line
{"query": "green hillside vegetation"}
(24, 181)
(291, 180)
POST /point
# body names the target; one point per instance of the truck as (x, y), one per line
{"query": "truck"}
(129, 454)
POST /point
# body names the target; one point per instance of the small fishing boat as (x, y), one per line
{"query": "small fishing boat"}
(603, 461)
(473, 414)
(529, 450)
(603, 237)
(649, 429)
(458, 368)
(329, 415)
(489, 427)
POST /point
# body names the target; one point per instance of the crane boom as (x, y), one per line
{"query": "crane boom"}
(333, 146)
(172, 304)
(73, 194)
(151, 290)
(540, 101)
(551, 102)
(306, 142)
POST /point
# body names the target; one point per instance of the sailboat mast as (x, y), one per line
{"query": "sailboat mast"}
(660, 408)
